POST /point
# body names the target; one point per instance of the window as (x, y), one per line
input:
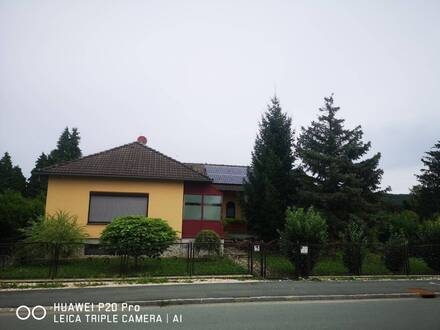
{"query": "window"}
(104, 207)
(206, 207)
(212, 207)
(230, 210)
(193, 207)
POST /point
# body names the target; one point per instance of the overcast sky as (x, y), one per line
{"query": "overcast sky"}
(195, 76)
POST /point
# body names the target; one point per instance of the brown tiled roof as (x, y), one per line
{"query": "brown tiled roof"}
(133, 160)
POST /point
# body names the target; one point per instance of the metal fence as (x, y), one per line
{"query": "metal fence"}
(339, 259)
(79, 260)
(266, 260)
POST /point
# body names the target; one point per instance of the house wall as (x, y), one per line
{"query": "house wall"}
(165, 198)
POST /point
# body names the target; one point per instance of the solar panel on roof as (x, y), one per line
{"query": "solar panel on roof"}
(224, 174)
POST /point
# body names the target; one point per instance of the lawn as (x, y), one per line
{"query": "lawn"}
(95, 267)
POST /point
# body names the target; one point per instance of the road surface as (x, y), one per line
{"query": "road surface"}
(179, 291)
(408, 313)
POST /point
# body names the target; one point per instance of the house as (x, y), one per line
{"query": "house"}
(135, 179)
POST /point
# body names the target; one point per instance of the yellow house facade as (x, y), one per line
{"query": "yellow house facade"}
(72, 194)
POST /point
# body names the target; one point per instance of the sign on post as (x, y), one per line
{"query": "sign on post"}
(304, 249)
(257, 248)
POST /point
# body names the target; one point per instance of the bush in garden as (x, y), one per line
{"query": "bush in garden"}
(59, 234)
(395, 253)
(138, 235)
(354, 248)
(17, 213)
(209, 241)
(407, 222)
(303, 228)
(430, 237)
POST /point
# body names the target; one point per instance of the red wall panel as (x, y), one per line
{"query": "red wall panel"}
(191, 227)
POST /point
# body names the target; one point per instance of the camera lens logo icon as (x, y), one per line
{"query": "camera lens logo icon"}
(23, 312)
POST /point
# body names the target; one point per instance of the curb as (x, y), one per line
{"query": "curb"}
(122, 279)
(191, 301)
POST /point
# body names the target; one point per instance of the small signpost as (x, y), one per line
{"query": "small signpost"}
(304, 249)
(257, 248)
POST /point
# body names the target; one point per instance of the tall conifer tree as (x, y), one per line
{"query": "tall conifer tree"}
(341, 182)
(67, 149)
(270, 187)
(38, 184)
(426, 195)
(11, 177)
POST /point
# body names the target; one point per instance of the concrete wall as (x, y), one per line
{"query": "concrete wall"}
(72, 194)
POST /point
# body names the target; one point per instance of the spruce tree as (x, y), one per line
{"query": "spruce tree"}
(339, 180)
(37, 184)
(67, 149)
(11, 177)
(425, 197)
(74, 149)
(270, 187)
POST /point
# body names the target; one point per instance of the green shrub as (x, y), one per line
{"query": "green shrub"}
(303, 228)
(207, 240)
(58, 229)
(395, 253)
(430, 236)
(354, 247)
(406, 222)
(137, 235)
(58, 234)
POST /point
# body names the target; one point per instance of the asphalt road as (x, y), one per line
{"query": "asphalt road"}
(153, 292)
(408, 313)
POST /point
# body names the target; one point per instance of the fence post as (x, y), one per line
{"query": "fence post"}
(265, 265)
(188, 272)
(308, 260)
(407, 269)
(261, 259)
(251, 252)
(191, 273)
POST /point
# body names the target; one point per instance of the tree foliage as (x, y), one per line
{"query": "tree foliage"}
(11, 177)
(340, 181)
(406, 222)
(430, 236)
(16, 213)
(67, 149)
(395, 253)
(37, 185)
(270, 187)
(425, 197)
